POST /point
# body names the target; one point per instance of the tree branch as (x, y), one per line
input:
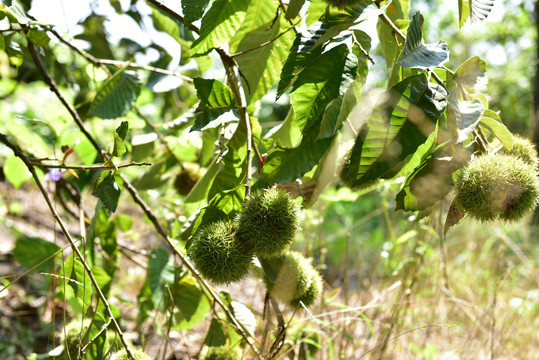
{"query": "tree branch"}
(134, 194)
(101, 296)
(158, 4)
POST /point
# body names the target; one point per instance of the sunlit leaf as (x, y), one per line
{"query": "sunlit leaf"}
(471, 72)
(294, 6)
(467, 114)
(245, 317)
(16, 171)
(38, 37)
(119, 137)
(219, 23)
(499, 130)
(480, 9)
(261, 65)
(417, 55)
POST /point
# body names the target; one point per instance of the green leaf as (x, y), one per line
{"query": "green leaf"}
(117, 96)
(464, 12)
(216, 335)
(230, 173)
(399, 125)
(191, 304)
(30, 251)
(261, 67)
(309, 44)
(213, 93)
(16, 11)
(38, 37)
(16, 171)
(471, 72)
(499, 130)
(163, 22)
(466, 113)
(287, 165)
(320, 83)
(217, 104)
(119, 137)
(294, 6)
(222, 206)
(160, 275)
(107, 190)
(193, 9)
(82, 285)
(340, 108)
(417, 55)
(219, 25)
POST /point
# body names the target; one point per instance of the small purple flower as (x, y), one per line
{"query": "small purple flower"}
(54, 174)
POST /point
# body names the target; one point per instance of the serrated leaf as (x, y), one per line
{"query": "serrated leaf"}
(193, 9)
(119, 137)
(212, 118)
(117, 96)
(261, 67)
(219, 24)
(287, 165)
(16, 171)
(464, 12)
(341, 107)
(320, 83)
(467, 114)
(499, 130)
(30, 251)
(308, 44)
(15, 11)
(417, 55)
(107, 190)
(480, 9)
(217, 104)
(190, 302)
(213, 93)
(471, 72)
(82, 285)
(401, 123)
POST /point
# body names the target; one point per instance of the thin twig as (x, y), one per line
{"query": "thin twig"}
(281, 5)
(119, 63)
(85, 167)
(237, 88)
(134, 194)
(402, 334)
(393, 27)
(71, 241)
(265, 43)
(173, 14)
